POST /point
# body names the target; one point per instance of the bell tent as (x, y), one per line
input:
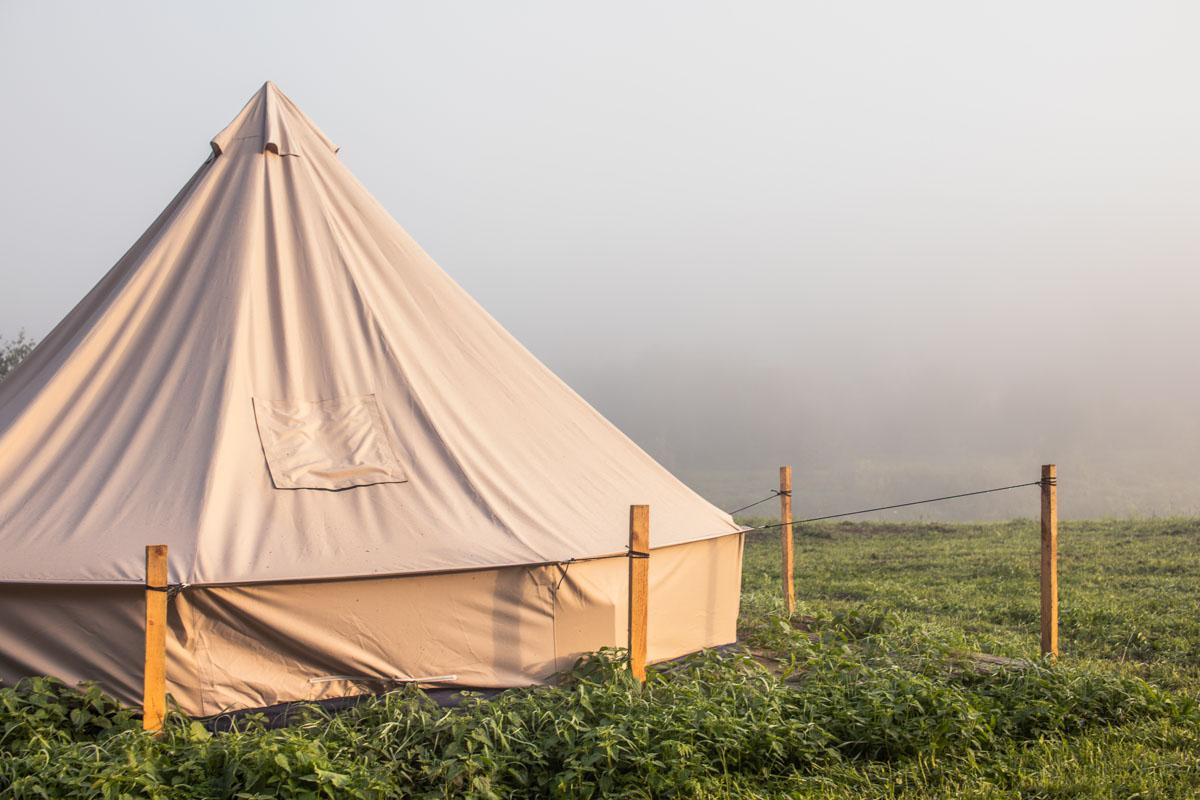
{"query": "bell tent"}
(361, 477)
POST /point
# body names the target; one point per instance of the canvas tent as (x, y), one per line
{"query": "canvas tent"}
(361, 476)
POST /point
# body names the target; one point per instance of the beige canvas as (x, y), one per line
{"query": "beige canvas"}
(280, 385)
(252, 646)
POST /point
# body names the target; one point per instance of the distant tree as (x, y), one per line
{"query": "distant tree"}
(13, 352)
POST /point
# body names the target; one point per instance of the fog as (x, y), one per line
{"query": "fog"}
(911, 249)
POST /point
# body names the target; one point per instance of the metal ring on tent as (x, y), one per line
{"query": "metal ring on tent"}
(172, 589)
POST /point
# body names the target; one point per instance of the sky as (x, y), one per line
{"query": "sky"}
(911, 249)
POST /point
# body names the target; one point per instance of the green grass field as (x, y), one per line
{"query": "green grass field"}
(873, 689)
(1130, 608)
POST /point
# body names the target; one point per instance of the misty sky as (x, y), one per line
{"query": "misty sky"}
(910, 248)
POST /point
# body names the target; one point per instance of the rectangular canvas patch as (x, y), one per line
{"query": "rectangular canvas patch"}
(326, 444)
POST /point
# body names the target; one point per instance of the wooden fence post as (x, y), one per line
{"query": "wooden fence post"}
(1049, 560)
(154, 698)
(639, 587)
(785, 535)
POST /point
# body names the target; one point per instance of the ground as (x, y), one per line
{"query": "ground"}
(910, 670)
(1130, 607)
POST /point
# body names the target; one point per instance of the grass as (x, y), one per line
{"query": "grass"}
(1129, 590)
(872, 689)
(1130, 597)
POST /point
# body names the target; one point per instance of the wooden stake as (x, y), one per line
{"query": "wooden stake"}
(154, 698)
(785, 534)
(639, 587)
(1050, 561)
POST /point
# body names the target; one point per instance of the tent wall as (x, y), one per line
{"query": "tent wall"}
(257, 645)
(76, 633)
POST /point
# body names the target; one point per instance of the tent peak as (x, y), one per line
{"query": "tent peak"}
(271, 123)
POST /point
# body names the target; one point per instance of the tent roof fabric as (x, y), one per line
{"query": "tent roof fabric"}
(280, 384)
(271, 122)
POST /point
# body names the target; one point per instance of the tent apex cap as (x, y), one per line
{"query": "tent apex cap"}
(272, 123)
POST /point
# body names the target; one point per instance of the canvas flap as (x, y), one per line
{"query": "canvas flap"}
(326, 444)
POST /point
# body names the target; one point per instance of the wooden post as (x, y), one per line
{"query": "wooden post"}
(1050, 561)
(639, 587)
(154, 698)
(785, 535)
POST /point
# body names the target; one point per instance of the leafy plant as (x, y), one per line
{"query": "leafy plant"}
(13, 352)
